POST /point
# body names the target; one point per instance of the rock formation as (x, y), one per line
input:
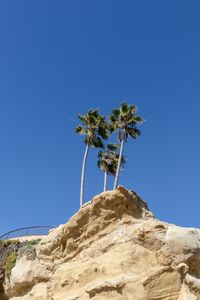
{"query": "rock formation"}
(112, 248)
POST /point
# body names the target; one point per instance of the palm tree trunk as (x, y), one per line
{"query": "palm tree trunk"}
(105, 181)
(119, 161)
(83, 174)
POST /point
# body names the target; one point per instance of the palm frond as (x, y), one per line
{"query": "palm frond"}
(80, 130)
(124, 108)
(101, 165)
(138, 119)
(103, 131)
(100, 154)
(83, 118)
(133, 109)
(92, 120)
(86, 139)
(96, 142)
(113, 118)
(116, 113)
(133, 132)
(94, 113)
(112, 147)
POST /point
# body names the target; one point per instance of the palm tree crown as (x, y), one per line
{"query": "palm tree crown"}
(125, 121)
(108, 159)
(93, 127)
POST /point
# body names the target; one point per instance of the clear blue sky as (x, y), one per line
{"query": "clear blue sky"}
(60, 58)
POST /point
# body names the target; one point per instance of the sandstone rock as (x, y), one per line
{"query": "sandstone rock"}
(38, 292)
(25, 275)
(113, 248)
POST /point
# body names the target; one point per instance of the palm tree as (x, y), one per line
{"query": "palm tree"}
(125, 121)
(94, 128)
(108, 161)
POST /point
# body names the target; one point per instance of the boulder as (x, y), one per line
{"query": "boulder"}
(112, 248)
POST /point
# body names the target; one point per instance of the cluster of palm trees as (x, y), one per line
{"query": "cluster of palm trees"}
(95, 128)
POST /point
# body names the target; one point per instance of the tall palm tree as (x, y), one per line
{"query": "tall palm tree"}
(94, 128)
(108, 161)
(125, 121)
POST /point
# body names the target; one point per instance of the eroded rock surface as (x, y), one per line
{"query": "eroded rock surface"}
(113, 248)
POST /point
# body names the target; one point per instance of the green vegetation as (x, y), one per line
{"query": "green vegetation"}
(6, 243)
(32, 242)
(124, 120)
(10, 262)
(11, 249)
(95, 129)
(108, 161)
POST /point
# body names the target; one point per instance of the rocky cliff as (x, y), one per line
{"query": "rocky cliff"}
(113, 248)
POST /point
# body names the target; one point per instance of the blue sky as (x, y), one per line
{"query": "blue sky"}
(60, 58)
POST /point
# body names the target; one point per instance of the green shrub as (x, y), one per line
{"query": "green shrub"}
(32, 242)
(7, 243)
(14, 248)
(10, 262)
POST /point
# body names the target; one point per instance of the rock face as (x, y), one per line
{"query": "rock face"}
(113, 248)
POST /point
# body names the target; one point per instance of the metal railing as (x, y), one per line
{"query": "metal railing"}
(26, 231)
